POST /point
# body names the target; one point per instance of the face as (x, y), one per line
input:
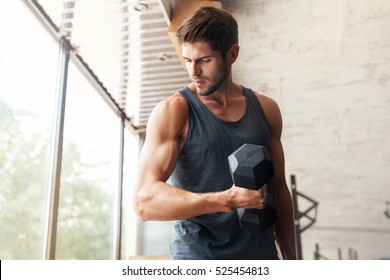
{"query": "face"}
(206, 67)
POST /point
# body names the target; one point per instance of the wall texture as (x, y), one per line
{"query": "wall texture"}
(327, 64)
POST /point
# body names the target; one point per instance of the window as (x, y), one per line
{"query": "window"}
(27, 87)
(89, 177)
(90, 157)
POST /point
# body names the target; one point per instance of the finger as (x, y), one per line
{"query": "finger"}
(263, 202)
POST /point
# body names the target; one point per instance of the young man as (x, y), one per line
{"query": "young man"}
(183, 168)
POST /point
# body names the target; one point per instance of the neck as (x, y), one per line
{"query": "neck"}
(222, 96)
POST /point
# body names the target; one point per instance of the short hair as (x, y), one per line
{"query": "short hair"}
(212, 25)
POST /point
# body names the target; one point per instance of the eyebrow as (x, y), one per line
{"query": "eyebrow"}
(200, 58)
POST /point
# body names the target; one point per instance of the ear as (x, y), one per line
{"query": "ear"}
(233, 53)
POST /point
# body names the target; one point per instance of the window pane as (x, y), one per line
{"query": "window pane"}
(140, 239)
(89, 177)
(129, 220)
(27, 88)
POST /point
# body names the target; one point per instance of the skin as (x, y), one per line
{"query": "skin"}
(212, 84)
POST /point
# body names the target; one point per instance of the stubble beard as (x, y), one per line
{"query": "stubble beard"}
(216, 85)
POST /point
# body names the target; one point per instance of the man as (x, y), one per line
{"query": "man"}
(183, 168)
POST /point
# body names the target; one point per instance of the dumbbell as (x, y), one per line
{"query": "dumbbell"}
(251, 167)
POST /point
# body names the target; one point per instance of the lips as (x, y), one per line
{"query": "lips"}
(199, 83)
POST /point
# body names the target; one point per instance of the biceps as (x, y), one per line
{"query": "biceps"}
(158, 159)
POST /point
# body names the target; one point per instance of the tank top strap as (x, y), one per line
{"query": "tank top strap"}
(196, 106)
(253, 102)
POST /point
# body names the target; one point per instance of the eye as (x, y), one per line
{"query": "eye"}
(205, 60)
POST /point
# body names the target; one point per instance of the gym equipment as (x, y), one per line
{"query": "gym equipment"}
(251, 167)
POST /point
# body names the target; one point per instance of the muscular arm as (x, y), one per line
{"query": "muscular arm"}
(284, 227)
(154, 199)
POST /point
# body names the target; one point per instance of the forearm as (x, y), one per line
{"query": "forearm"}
(284, 227)
(163, 202)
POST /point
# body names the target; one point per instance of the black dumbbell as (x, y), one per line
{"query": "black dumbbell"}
(251, 167)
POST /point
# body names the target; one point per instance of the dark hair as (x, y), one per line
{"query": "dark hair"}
(211, 25)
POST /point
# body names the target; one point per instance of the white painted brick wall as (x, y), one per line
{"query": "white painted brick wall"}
(327, 64)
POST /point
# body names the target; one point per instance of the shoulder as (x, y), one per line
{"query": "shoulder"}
(175, 104)
(174, 108)
(266, 102)
(169, 116)
(272, 112)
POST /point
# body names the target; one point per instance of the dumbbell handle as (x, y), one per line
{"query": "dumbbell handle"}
(253, 219)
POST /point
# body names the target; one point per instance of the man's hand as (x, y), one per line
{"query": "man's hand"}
(244, 198)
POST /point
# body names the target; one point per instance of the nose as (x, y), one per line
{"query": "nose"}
(194, 69)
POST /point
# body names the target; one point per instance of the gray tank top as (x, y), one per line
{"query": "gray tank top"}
(203, 167)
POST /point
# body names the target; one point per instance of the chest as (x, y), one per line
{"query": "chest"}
(233, 111)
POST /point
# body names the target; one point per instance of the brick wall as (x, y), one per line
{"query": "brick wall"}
(327, 64)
